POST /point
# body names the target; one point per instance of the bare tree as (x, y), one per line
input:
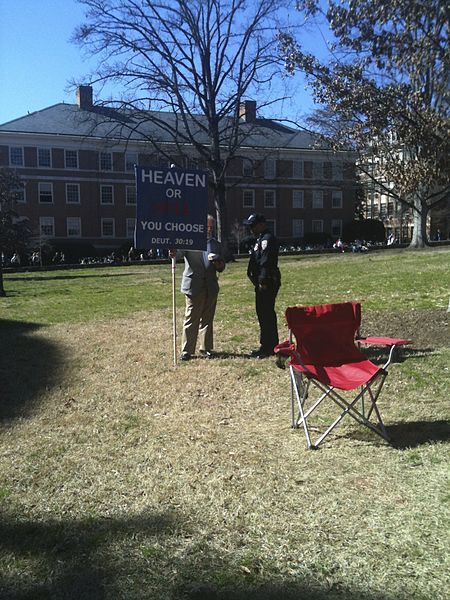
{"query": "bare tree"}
(14, 231)
(196, 59)
(386, 95)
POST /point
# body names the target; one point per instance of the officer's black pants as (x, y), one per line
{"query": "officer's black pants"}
(265, 309)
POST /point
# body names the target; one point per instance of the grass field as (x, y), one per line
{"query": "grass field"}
(123, 477)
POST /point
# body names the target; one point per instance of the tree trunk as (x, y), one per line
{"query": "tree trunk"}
(2, 289)
(419, 237)
(221, 216)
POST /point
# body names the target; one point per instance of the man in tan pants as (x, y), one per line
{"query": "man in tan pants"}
(201, 288)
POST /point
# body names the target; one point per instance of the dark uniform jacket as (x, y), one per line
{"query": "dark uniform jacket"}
(263, 263)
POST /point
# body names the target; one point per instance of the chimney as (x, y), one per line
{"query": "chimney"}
(247, 111)
(84, 96)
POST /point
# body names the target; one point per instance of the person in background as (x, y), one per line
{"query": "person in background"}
(264, 274)
(200, 286)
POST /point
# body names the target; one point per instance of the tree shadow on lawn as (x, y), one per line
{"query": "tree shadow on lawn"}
(79, 560)
(28, 365)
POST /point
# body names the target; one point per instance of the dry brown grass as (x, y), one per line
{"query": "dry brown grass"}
(122, 477)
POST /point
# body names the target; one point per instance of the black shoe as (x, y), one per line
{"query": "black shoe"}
(261, 353)
(185, 356)
(207, 353)
(256, 352)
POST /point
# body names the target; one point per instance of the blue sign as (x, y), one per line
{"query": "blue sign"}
(171, 208)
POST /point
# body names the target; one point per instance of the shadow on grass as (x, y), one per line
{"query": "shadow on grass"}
(105, 559)
(63, 277)
(28, 365)
(416, 433)
(62, 558)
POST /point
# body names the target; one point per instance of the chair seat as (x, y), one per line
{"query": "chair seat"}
(343, 377)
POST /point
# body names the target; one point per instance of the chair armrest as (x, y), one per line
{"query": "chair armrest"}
(383, 341)
(286, 348)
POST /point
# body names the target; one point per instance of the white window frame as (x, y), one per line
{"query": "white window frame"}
(70, 155)
(44, 164)
(270, 168)
(21, 197)
(130, 193)
(298, 199)
(270, 203)
(102, 190)
(317, 199)
(317, 225)
(46, 222)
(298, 228)
(272, 225)
(16, 156)
(247, 167)
(318, 169)
(111, 221)
(298, 169)
(106, 161)
(336, 199)
(75, 186)
(41, 191)
(130, 228)
(250, 196)
(73, 223)
(336, 227)
(337, 170)
(131, 159)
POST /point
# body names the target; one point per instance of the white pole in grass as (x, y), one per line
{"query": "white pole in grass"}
(174, 311)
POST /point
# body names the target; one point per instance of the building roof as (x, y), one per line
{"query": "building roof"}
(105, 122)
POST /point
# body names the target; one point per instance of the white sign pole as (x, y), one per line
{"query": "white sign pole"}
(174, 312)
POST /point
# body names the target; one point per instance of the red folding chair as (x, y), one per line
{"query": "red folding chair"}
(324, 353)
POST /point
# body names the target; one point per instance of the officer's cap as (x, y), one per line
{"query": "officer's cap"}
(254, 218)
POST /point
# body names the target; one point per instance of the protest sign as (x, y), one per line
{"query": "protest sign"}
(171, 208)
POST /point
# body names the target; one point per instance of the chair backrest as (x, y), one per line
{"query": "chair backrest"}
(325, 333)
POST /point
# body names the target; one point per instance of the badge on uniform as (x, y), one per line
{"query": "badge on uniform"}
(264, 244)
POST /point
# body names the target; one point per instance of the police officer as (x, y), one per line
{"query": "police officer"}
(263, 272)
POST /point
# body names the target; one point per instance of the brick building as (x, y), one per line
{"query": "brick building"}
(77, 164)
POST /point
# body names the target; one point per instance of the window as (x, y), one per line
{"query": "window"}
(247, 167)
(297, 228)
(130, 192)
(337, 171)
(44, 157)
(73, 193)
(108, 227)
(336, 199)
(317, 200)
(318, 169)
(45, 193)
(269, 168)
(272, 225)
(269, 198)
(106, 161)
(71, 159)
(130, 228)
(16, 156)
(131, 159)
(47, 226)
(336, 227)
(317, 225)
(248, 198)
(297, 198)
(73, 227)
(297, 169)
(106, 194)
(20, 195)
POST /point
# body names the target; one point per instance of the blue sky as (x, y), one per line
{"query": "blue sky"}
(37, 60)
